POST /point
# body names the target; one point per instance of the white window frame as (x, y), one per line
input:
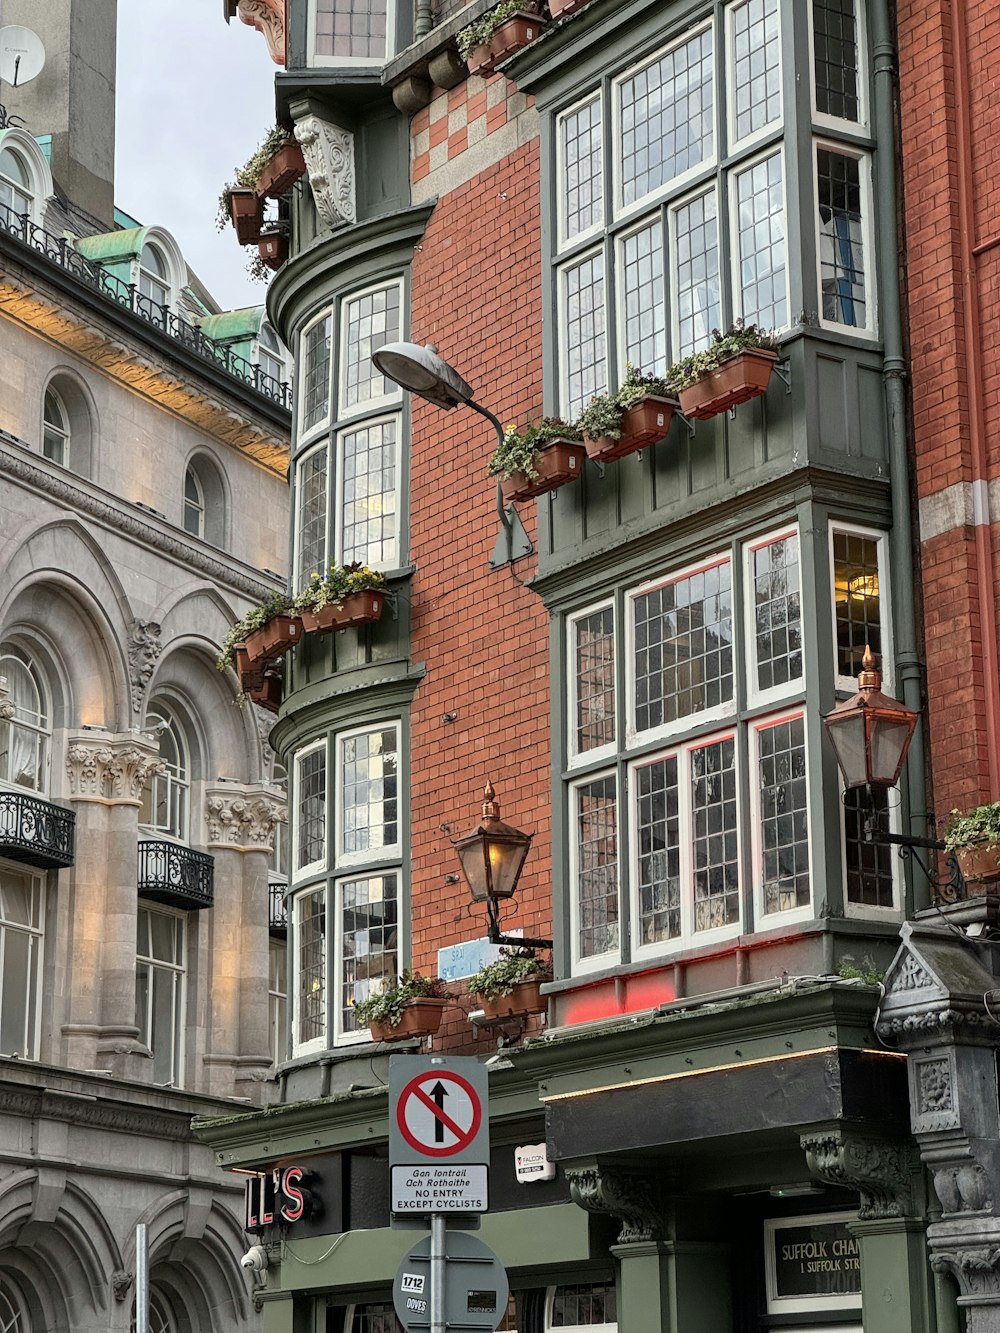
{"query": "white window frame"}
(277, 1001)
(166, 281)
(361, 1034)
(733, 143)
(576, 261)
(317, 867)
(756, 697)
(653, 220)
(849, 684)
(778, 1305)
(196, 505)
(600, 754)
(317, 61)
(870, 911)
(42, 728)
(307, 433)
(337, 454)
(610, 958)
(33, 1006)
(63, 432)
(674, 328)
(550, 1299)
(764, 920)
(301, 574)
(619, 209)
(320, 1043)
(826, 121)
(732, 176)
(632, 737)
(863, 158)
(393, 398)
(595, 229)
(372, 857)
(689, 937)
(180, 973)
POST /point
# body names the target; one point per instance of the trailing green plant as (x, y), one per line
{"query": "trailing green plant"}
(250, 173)
(603, 414)
(275, 604)
(339, 582)
(978, 827)
(723, 347)
(514, 966)
(258, 270)
(387, 1006)
(480, 32)
(517, 453)
(867, 972)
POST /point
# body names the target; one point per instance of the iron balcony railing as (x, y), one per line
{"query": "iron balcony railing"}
(175, 875)
(59, 250)
(36, 832)
(277, 916)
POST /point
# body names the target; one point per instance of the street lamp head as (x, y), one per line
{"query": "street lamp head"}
(492, 855)
(870, 733)
(423, 372)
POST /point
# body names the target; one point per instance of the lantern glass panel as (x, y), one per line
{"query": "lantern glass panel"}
(848, 737)
(888, 745)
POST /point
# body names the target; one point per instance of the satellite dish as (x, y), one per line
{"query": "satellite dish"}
(22, 55)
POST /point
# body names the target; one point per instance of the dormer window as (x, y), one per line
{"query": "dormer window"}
(269, 358)
(154, 277)
(15, 182)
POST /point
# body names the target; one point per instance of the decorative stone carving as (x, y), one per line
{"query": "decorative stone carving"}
(877, 1169)
(110, 767)
(263, 816)
(329, 154)
(7, 705)
(268, 17)
(626, 1193)
(963, 1189)
(977, 1270)
(912, 976)
(144, 648)
(121, 1284)
(934, 1090)
(243, 816)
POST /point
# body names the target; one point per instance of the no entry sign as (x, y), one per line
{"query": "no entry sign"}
(438, 1134)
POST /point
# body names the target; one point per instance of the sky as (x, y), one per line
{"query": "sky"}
(195, 97)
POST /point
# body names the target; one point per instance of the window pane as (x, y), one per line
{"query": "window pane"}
(856, 599)
(369, 801)
(597, 867)
(784, 835)
(715, 852)
(589, 1303)
(316, 373)
(18, 991)
(869, 864)
(55, 430)
(368, 935)
(696, 273)
(761, 222)
(311, 809)
(777, 612)
(375, 1317)
(310, 946)
(667, 117)
(585, 371)
(371, 321)
(756, 87)
(683, 647)
(369, 495)
(159, 990)
(580, 132)
(841, 239)
(352, 28)
(277, 997)
(311, 499)
(24, 737)
(658, 835)
(835, 41)
(595, 679)
(643, 294)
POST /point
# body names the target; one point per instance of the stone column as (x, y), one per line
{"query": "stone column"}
(240, 820)
(107, 773)
(666, 1283)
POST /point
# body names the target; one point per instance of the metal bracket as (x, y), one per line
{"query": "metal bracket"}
(679, 416)
(783, 370)
(948, 890)
(512, 542)
(495, 935)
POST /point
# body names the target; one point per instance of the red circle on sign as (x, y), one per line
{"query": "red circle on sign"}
(463, 1136)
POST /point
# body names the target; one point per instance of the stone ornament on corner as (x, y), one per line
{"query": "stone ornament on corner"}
(329, 154)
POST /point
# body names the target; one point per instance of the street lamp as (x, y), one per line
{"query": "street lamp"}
(870, 733)
(423, 372)
(492, 856)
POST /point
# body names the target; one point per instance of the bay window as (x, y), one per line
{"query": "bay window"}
(843, 205)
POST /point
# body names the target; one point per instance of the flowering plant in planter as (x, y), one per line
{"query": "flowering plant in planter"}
(257, 618)
(346, 595)
(385, 1012)
(539, 458)
(482, 44)
(614, 424)
(735, 367)
(974, 837)
(511, 969)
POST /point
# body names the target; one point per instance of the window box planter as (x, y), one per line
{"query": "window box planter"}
(736, 381)
(480, 60)
(524, 999)
(980, 867)
(273, 249)
(357, 608)
(556, 463)
(644, 422)
(247, 214)
(421, 1018)
(560, 9)
(267, 692)
(274, 639)
(512, 35)
(282, 171)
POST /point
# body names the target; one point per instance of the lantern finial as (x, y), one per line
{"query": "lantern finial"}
(491, 806)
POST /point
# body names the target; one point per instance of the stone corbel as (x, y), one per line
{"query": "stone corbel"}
(121, 1284)
(110, 767)
(268, 17)
(627, 1193)
(144, 648)
(976, 1269)
(879, 1170)
(329, 154)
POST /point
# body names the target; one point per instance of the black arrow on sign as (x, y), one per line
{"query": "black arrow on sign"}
(438, 1093)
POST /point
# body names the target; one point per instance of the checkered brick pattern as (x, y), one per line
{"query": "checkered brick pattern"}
(459, 118)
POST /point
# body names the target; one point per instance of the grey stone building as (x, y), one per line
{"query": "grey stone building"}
(142, 510)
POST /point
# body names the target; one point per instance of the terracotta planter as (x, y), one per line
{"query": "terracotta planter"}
(645, 421)
(273, 249)
(421, 1018)
(524, 999)
(736, 381)
(559, 462)
(277, 636)
(281, 173)
(980, 867)
(247, 214)
(513, 34)
(560, 9)
(358, 608)
(267, 693)
(479, 60)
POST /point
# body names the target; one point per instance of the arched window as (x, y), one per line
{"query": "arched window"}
(194, 504)
(269, 357)
(55, 429)
(165, 801)
(25, 735)
(13, 1313)
(161, 1317)
(15, 189)
(154, 277)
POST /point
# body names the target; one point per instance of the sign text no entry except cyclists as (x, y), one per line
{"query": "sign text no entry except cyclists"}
(438, 1134)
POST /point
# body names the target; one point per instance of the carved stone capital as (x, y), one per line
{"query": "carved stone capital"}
(626, 1193)
(329, 154)
(268, 17)
(104, 766)
(244, 816)
(144, 648)
(877, 1169)
(976, 1268)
